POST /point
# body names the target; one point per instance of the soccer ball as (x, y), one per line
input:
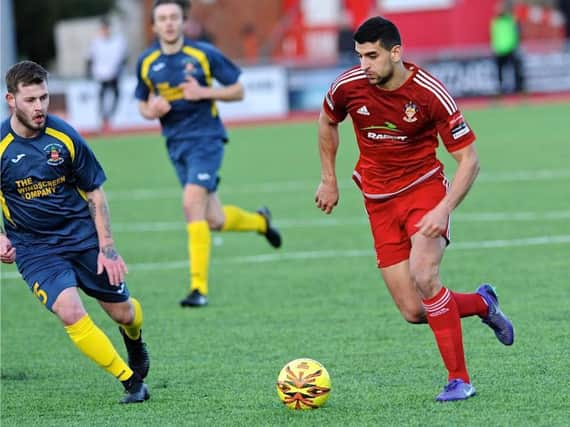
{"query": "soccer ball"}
(303, 384)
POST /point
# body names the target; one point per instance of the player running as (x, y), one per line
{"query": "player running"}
(58, 230)
(397, 110)
(175, 85)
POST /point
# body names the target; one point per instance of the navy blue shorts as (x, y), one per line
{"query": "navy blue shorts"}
(197, 161)
(47, 275)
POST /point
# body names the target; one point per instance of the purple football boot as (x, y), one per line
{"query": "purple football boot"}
(456, 390)
(495, 318)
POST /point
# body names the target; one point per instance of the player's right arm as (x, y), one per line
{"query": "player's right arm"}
(332, 113)
(327, 194)
(7, 251)
(151, 106)
(154, 107)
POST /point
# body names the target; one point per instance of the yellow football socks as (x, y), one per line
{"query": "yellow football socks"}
(94, 344)
(133, 330)
(199, 242)
(239, 220)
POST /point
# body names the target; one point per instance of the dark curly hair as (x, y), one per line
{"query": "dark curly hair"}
(378, 29)
(25, 72)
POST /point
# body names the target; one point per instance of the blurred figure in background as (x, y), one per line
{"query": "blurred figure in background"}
(505, 42)
(345, 42)
(564, 6)
(250, 44)
(194, 30)
(175, 84)
(107, 58)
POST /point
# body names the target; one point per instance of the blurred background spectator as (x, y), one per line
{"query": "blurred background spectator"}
(565, 10)
(345, 44)
(195, 30)
(505, 42)
(250, 51)
(105, 62)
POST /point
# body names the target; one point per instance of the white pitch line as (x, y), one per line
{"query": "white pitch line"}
(515, 176)
(312, 255)
(149, 227)
(296, 186)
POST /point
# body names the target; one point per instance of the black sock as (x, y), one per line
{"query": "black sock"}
(133, 383)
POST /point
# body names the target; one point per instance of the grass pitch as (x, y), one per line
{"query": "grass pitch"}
(320, 296)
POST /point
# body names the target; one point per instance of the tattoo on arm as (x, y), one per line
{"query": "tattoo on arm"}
(106, 220)
(103, 213)
(92, 208)
(109, 252)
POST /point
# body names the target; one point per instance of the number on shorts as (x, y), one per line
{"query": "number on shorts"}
(40, 293)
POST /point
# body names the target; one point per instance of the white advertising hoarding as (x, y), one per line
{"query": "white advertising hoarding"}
(266, 95)
(265, 98)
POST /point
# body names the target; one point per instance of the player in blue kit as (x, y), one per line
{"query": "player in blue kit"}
(175, 77)
(57, 228)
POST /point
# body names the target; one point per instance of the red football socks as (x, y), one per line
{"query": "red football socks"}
(470, 304)
(444, 321)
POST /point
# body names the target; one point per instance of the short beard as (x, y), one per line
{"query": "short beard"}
(27, 124)
(383, 80)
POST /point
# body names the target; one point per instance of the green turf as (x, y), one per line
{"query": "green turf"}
(320, 296)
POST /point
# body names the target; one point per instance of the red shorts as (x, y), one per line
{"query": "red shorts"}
(393, 221)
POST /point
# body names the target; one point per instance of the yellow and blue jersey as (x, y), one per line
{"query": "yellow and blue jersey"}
(161, 74)
(43, 181)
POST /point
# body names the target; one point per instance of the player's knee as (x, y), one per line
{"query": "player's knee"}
(424, 278)
(215, 224)
(123, 313)
(70, 314)
(414, 315)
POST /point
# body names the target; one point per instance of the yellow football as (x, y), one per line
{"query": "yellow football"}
(303, 384)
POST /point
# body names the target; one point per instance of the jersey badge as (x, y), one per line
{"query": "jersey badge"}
(410, 111)
(53, 152)
(363, 110)
(189, 68)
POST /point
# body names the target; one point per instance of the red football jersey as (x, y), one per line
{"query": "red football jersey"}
(397, 130)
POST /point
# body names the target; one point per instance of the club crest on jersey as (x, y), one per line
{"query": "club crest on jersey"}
(410, 111)
(53, 154)
(189, 68)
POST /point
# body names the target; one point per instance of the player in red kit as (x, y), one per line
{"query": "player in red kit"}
(397, 110)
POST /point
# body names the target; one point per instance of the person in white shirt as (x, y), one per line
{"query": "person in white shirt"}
(107, 57)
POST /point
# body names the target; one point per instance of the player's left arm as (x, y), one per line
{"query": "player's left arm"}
(224, 71)
(108, 258)
(435, 221)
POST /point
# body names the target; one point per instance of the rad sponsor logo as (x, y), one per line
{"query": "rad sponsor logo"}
(385, 136)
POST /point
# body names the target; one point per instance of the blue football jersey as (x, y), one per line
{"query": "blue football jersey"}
(161, 74)
(43, 181)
